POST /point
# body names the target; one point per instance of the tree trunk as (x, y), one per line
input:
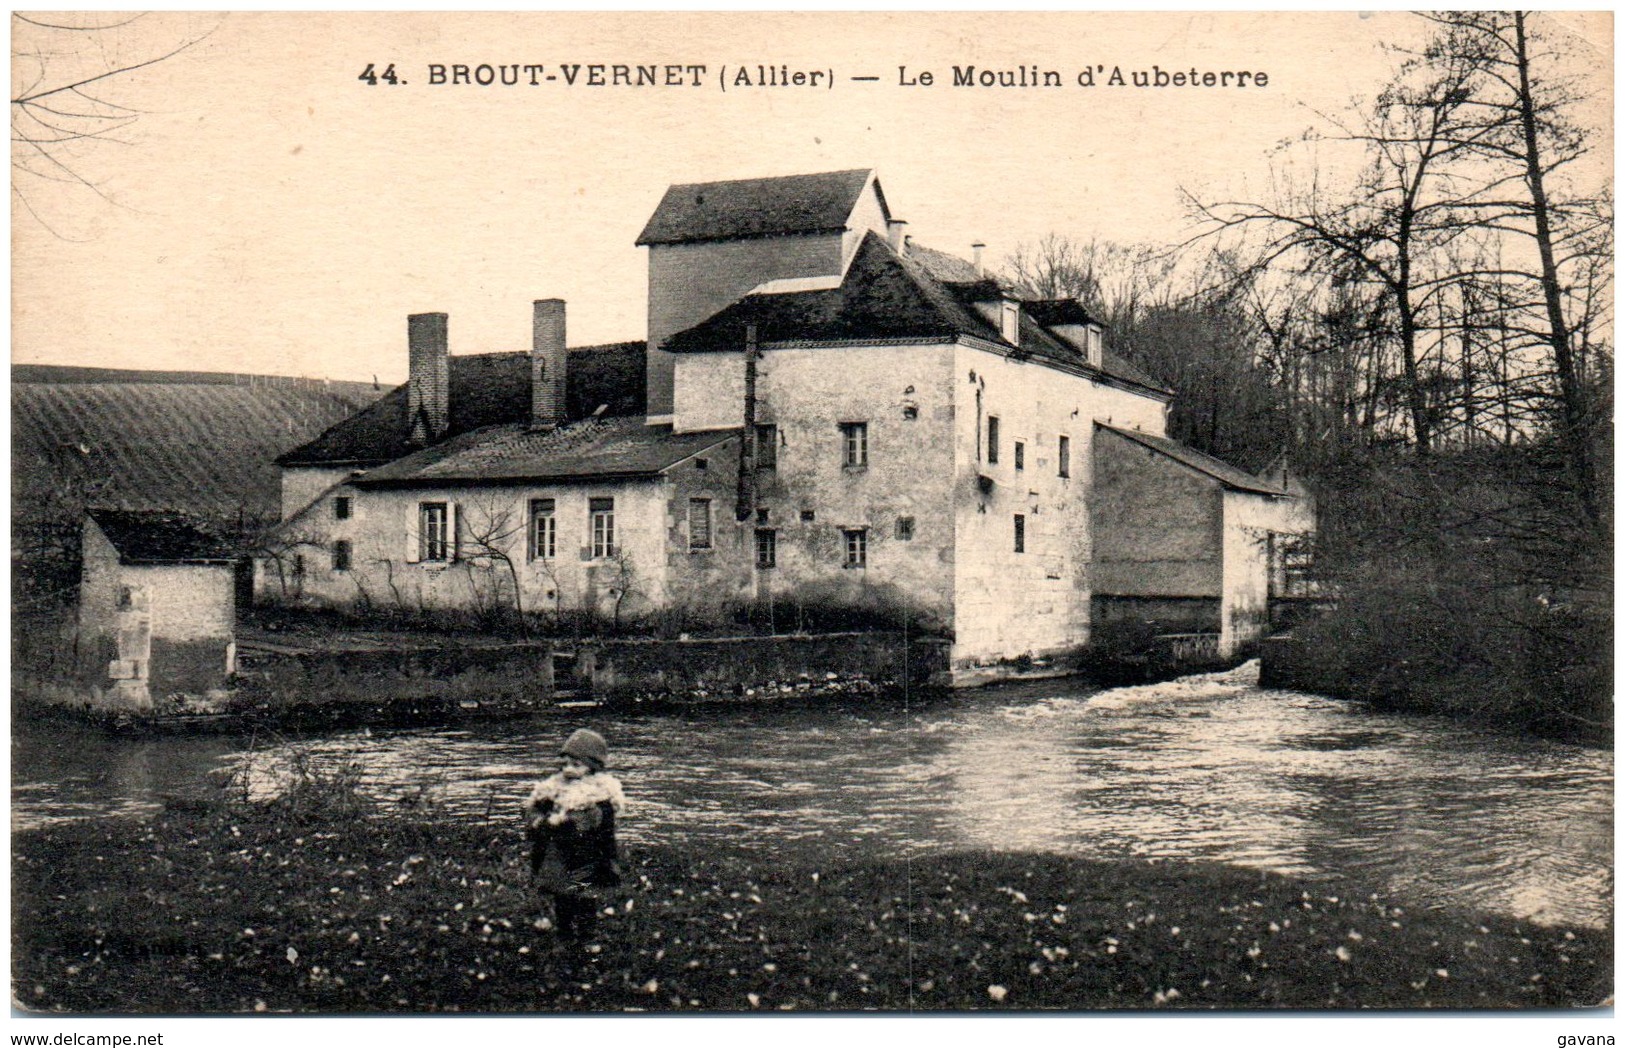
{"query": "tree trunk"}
(1572, 396)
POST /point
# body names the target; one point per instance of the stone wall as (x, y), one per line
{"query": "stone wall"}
(1036, 601)
(690, 282)
(1158, 524)
(765, 666)
(145, 631)
(705, 582)
(302, 485)
(901, 499)
(609, 670)
(1250, 520)
(385, 573)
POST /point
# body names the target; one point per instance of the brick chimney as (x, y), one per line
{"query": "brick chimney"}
(548, 357)
(428, 395)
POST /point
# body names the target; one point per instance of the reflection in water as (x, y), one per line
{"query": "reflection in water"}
(1209, 767)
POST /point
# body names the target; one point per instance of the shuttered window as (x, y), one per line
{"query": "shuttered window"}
(699, 524)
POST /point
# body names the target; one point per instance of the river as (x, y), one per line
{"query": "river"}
(1209, 768)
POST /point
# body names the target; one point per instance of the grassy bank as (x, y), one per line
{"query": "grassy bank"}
(267, 909)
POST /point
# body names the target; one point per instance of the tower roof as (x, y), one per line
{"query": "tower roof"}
(756, 207)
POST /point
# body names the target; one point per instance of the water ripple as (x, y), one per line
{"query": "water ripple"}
(1207, 768)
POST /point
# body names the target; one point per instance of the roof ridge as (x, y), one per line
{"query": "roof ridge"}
(1198, 460)
(753, 208)
(772, 178)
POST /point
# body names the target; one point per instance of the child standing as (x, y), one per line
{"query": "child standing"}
(570, 819)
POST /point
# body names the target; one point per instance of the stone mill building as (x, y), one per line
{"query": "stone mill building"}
(824, 414)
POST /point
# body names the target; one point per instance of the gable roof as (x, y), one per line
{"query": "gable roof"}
(887, 296)
(1226, 474)
(599, 449)
(756, 207)
(161, 537)
(485, 390)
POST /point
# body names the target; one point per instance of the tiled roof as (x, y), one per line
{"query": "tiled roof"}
(1052, 311)
(941, 265)
(887, 296)
(159, 537)
(607, 448)
(485, 390)
(879, 298)
(1226, 474)
(755, 207)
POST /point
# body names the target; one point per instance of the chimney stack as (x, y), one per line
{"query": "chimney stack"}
(548, 361)
(976, 259)
(428, 394)
(894, 234)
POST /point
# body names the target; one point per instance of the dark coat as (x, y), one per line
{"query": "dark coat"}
(578, 853)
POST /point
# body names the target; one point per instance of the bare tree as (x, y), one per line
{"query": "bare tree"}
(66, 70)
(623, 583)
(1389, 231)
(1113, 282)
(284, 549)
(491, 529)
(1519, 122)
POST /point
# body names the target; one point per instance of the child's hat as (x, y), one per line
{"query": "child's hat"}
(587, 745)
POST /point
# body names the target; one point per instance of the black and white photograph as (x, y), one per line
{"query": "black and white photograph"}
(1102, 515)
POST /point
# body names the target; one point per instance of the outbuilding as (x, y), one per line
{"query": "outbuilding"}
(157, 607)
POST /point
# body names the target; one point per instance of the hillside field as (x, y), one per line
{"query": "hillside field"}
(195, 442)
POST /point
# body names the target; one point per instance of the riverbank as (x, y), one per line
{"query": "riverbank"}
(305, 906)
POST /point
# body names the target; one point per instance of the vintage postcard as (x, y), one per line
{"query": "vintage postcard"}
(804, 513)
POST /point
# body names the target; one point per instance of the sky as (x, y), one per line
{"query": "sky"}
(268, 212)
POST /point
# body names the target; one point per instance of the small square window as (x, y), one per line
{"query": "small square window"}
(341, 555)
(341, 508)
(762, 515)
(910, 412)
(807, 515)
(767, 548)
(905, 528)
(702, 464)
(767, 446)
(857, 547)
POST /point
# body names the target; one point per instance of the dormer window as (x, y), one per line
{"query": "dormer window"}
(1010, 322)
(1095, 341)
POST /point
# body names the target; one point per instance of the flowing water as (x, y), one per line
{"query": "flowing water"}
(1207, 768)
